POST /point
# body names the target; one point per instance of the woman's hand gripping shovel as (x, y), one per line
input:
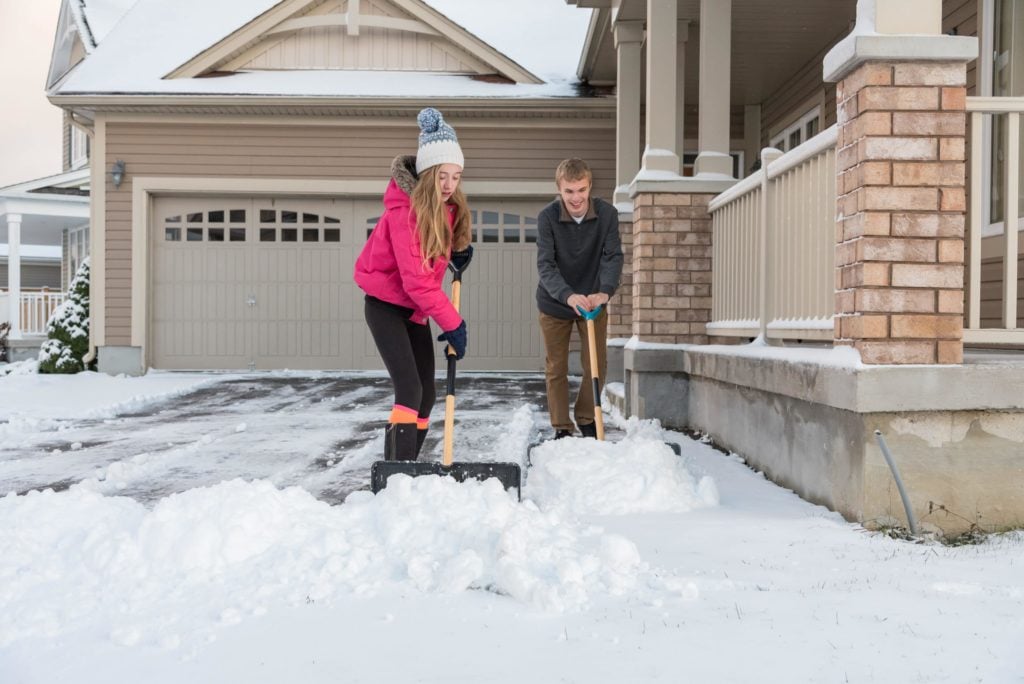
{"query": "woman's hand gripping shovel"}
(509, 474)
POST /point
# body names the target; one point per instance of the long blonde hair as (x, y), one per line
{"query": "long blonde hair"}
(431, 214)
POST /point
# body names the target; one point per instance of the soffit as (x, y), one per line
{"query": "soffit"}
(771, 41)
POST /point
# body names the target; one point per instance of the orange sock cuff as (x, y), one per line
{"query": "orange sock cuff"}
(423, 423)
(402, 414)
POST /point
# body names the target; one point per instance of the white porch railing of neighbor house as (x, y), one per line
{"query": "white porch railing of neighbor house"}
(774, 246)
(36, 308)
(993, 252)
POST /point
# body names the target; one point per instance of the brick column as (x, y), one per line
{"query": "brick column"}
(900, 231)
(671, 267)
(620, 309)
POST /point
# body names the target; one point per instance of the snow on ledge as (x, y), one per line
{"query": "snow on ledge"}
(836, 357)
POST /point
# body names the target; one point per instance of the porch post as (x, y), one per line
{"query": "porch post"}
(671, 265)
(629, 36)
(901, 201)
(682, 37)
(14, 274)
(660, 154)
(713, 159)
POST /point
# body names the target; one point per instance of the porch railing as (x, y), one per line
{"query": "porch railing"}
(774, 247)
(993, 260)
(35, 309)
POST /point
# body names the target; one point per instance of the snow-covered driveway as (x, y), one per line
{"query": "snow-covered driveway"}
(623, 562)
(321, 431)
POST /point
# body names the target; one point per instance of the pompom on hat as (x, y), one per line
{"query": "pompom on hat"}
(438, 143)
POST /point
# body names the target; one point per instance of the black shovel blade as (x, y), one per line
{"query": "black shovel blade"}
(509, 474)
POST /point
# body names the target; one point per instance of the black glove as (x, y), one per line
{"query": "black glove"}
(460, 260)
(456, 338)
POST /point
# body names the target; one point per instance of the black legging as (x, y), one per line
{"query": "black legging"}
(408, 352)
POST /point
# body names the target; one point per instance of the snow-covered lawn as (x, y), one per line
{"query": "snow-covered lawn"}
(623, 562)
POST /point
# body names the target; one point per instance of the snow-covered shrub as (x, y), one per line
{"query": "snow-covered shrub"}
(67, 331)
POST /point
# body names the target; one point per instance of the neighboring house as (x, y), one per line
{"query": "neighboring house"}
(44, 223)
(251, 141)
(44, 227)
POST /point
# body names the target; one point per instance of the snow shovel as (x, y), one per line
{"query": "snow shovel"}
(589, 316)
(592, 344)
(509, 474)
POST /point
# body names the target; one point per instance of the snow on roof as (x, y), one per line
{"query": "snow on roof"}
(68, 179)
(102, 15)
(545, 36)
(155, 37)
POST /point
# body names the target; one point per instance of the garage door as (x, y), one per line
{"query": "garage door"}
(267, 284)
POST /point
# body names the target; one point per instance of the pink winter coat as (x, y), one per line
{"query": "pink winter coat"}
(391, 267)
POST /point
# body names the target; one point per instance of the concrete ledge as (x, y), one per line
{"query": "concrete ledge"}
(856, 49)
(807, 417)
(820, 378)
(680, 185)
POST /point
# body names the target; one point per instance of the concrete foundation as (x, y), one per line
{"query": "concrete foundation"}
(120, 360)
(956, 432)
(24, 349)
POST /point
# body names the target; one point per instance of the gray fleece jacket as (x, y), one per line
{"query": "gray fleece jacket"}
(576, 258)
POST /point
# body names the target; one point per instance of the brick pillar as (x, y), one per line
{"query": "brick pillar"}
(671, 267)
(620, 309)
(900, 231)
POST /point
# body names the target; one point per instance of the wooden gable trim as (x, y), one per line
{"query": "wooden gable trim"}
(282, 18)
(467, 41)
(208, 59)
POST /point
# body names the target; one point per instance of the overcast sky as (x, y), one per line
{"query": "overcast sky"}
(30, 127)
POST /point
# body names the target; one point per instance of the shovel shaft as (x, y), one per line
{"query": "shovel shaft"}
(449, 399)
(592, 344)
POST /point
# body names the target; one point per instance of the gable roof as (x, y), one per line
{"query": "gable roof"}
(81, 25)
(157, 38)
(294, 15)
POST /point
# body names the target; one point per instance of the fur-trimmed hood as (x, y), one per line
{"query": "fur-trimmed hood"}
(403, 170)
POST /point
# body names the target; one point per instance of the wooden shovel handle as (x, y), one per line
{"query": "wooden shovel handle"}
(449, 399)
(592, 343)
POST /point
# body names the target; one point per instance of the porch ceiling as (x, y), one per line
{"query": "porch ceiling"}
(771, 40)
(41, 230)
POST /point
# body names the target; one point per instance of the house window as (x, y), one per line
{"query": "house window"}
(799, 132)
(78, 148)
(1007, 81)
(78, 250)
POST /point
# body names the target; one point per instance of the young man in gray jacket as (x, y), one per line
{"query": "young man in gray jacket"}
(579, 263)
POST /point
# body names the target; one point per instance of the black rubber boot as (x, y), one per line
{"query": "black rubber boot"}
(588, 429)
(400, 442)
(421, 435)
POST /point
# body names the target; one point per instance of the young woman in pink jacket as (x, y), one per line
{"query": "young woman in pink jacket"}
(401, 268)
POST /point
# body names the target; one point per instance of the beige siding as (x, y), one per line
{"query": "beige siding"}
(789, 102)
(374, 48)
(960, 17)
(992, 293)
(499, 153)
(35, 275)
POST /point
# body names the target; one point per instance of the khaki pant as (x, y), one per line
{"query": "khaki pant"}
(557, 332)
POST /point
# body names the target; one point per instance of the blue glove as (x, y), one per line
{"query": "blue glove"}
(456, 338)
(460, 260)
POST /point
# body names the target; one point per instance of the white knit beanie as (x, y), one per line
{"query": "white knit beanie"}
(438, 144)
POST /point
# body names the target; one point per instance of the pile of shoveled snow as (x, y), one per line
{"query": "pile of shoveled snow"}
(214, 556)
(640, 474)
